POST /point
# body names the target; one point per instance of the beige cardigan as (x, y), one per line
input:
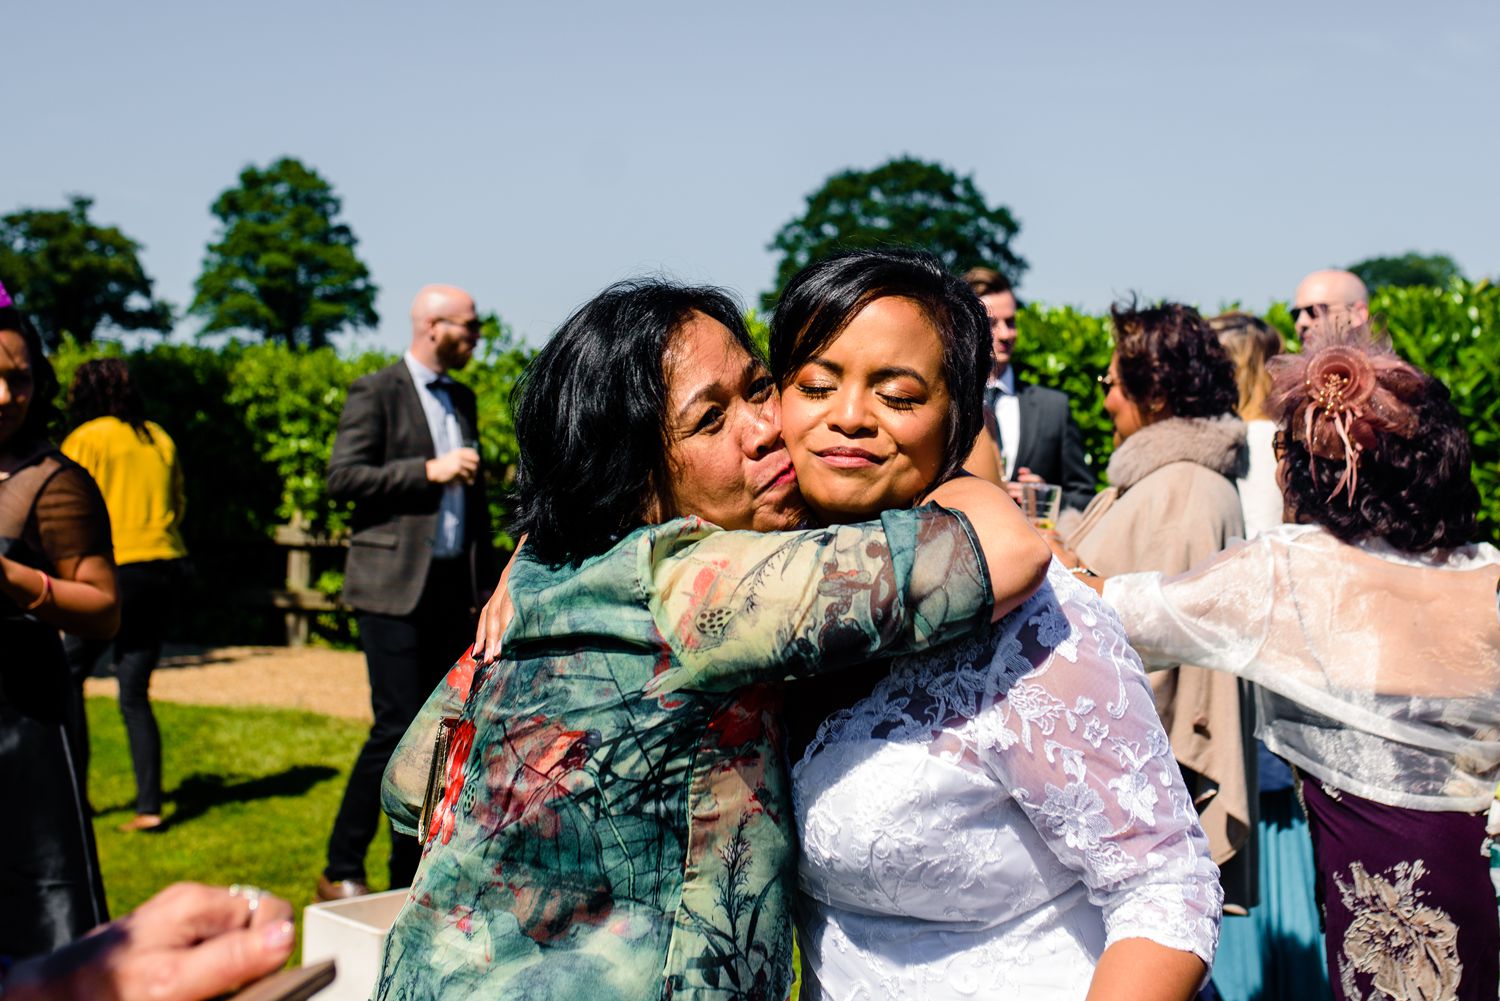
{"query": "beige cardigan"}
(1172, 504)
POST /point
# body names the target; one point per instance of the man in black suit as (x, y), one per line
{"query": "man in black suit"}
(419, 557)
(1037, 438)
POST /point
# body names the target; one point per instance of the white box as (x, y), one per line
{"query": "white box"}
(352, 933)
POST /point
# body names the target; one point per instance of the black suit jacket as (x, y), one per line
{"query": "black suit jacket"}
(380, 463)
(1051, 444)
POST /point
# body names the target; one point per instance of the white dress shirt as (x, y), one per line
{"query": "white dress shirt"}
(1008, 416)
(442, 423)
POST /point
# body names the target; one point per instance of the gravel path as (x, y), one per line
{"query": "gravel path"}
(330, 682)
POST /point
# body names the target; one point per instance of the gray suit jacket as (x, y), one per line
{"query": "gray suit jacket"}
(380, 463)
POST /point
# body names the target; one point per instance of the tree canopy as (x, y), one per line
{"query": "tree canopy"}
(1408, 270)
(71, 275)
(906, 202)
(284, 266)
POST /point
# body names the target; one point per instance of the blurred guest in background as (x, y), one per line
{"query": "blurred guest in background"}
(1250, 343)
(1030, 435)
(134, 462)
(1335, 296)
(1171, 503)
(56, 572)
(407, 455)
(1369, 628)
(1275, 952)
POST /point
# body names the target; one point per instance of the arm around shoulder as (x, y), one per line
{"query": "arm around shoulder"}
(1015, 555)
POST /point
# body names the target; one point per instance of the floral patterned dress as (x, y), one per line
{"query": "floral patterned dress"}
(615, 819)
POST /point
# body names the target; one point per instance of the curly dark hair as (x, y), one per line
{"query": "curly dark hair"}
(1415, 493)
(42, 409)
(1169, 354)
(103, 388)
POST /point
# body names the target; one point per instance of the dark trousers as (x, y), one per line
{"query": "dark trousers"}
(147, 597)
(407, 656)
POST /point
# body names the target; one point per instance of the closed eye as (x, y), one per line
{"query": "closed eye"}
(710, 421)
(899, 402)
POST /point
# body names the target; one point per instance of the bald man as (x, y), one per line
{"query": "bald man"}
(1338, 297)
(418, 556)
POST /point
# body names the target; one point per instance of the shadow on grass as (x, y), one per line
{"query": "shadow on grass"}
(200, 792)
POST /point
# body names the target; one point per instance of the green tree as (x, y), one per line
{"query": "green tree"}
(284, 266)
(1409, 270)
(906, 202)
(72, 275)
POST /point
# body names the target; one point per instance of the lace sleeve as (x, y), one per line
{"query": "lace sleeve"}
(1075, 737)
(1215, 615)
(739, 607)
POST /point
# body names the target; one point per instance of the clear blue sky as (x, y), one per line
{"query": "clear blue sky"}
(535, 152)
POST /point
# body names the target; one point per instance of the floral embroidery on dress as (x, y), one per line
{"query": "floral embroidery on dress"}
(1409, 948)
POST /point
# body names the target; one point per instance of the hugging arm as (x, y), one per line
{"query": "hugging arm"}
(739, 607)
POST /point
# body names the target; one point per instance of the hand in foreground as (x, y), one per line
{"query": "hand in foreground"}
(496, 614)
(187, 943)
(461, 464)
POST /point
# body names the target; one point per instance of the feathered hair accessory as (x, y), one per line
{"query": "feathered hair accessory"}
(1341, 394)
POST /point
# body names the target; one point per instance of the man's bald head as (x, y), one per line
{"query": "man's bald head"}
(1330, 295)
(444, 327)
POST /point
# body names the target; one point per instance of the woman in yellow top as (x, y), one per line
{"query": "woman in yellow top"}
(135, 464)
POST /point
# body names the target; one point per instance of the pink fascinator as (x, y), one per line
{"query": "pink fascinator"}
(1341, 394)
(5, 299)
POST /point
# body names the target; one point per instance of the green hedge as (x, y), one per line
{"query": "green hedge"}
(1453, 332)
(255, 424)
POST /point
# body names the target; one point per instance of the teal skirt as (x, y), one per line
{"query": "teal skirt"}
(1275, 953)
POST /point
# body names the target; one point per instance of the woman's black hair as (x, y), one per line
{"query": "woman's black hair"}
(103, 388)
(1168, 353)
(823, 297)
(1415, 493)
(42, 409)
(591, 417)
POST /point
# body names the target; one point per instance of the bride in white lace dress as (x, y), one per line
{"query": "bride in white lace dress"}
(1003, 817)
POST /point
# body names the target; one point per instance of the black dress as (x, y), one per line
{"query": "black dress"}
(50, 889)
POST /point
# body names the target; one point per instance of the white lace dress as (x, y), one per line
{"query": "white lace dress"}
(994, 814)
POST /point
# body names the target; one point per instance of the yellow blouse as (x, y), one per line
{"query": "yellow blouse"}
(142, 486)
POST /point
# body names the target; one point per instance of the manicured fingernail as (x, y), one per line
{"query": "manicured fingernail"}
(278, 935)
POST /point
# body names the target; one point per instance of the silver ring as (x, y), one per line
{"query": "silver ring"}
(252, 895)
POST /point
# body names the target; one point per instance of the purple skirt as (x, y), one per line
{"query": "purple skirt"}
(1409, 908)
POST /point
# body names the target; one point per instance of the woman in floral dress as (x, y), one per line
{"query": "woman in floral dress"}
(591, 836)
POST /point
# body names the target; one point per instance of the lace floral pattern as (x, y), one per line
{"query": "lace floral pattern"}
(993, 793)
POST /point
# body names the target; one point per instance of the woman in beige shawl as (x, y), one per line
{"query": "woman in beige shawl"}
(1170, 505)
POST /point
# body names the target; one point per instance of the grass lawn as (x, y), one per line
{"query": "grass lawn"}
(250, 798)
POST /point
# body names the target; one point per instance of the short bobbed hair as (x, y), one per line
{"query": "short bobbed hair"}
(103, 387)
(591, 417)
(823, 297)
(1169, 355)
(1414, 492)
(42, 409)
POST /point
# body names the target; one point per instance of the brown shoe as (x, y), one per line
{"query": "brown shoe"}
(342, 889)
(141, 822)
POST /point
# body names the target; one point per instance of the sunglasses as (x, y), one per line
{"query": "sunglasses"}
(1314, 311)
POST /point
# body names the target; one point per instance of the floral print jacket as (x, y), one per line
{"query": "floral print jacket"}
(614, 819)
